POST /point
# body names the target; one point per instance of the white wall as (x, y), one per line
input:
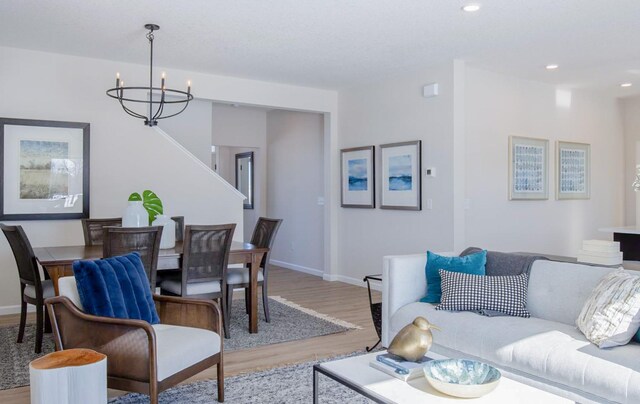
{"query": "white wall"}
(630, 108)
(242, 128)
(497, 106)
(192, 129)
(125, 155)
(390, 111)
(295, 172)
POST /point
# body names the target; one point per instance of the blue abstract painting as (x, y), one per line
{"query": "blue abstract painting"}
(400, 176)
(358, 180)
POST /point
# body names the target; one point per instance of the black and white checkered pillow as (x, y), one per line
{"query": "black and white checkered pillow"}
(466, 292)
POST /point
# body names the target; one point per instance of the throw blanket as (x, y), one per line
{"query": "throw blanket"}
(503, 264)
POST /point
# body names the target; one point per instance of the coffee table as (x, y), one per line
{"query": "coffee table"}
(356, 374)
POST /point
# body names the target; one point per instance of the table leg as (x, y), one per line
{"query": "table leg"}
(256, 259)
(315, 386)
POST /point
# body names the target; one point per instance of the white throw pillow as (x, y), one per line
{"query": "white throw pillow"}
(611, 315)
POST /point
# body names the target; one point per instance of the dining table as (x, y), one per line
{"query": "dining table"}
(58, 261)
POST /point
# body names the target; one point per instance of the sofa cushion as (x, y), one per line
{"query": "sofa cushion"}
(181, 347)
(554, 352)
(470, 264)
(484, 294)
(68, 288)
(558, 290)
(611, 314)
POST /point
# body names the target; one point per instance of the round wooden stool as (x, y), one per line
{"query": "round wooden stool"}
(70, 376)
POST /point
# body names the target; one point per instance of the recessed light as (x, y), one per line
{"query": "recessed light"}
(470, 8)
(551, 67)
(626, 85)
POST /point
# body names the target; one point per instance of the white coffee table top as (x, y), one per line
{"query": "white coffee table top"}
(356, 370)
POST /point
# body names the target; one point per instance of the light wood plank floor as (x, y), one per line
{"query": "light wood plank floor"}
(337, 299)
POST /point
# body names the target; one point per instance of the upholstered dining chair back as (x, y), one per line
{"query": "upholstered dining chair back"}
(93, 229)
(264, 235)
(144, 240)
(23, 253)
(206, 252)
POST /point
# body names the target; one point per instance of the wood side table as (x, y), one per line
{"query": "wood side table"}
(72, 376)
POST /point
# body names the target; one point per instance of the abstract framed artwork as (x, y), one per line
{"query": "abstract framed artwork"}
(45, 170)
(528, 168)
(358, 177)
(401, 179)
(573, 164)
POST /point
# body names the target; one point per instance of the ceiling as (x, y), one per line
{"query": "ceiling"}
(339, 43)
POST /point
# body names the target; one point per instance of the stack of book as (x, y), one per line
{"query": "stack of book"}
(601, 252)
(399, 368)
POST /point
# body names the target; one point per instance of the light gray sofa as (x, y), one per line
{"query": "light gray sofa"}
(546, 350)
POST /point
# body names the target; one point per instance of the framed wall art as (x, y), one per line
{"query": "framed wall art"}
(401, 179)
(358, 177)
(573, 164)
(45, 170)
(528, 168)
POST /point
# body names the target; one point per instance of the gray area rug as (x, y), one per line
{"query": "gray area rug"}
(289, 322)
(285, 385)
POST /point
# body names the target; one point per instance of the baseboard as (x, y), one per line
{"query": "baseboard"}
(353, 281)
(327, 277)
(6, 310)
(295, 267)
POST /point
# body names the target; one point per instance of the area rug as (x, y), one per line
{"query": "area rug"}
(289, 322)
(285, 385)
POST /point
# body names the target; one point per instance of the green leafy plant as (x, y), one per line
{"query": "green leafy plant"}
(150, 201)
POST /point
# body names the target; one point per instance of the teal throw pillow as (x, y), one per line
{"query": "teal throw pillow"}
(473, 264)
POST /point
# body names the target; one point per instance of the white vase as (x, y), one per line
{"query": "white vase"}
(135, 215)
(168, 239)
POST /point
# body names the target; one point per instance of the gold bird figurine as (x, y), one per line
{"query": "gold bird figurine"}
(413, 340)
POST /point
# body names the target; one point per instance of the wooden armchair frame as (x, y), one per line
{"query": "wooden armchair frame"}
(130, 345)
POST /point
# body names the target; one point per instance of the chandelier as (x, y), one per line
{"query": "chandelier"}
(154, 97)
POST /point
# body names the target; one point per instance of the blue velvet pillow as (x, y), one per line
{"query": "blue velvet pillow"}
(116, 287)
(473, 264)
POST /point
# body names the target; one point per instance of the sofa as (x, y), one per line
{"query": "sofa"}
(546, 351)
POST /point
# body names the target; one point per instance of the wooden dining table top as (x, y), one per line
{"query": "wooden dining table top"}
(66, 255)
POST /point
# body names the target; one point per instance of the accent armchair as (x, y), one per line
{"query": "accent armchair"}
(141, 357)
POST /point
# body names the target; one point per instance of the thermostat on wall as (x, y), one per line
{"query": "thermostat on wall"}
(430, 90)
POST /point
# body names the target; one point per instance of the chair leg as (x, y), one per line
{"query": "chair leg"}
(47, 321)
(247, 297)
(265, 302)
(39, 326)
(220, 375)
(23, 320)
(229, 298)
(225, 317)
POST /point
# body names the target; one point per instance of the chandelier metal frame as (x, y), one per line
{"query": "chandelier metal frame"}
(158, 103)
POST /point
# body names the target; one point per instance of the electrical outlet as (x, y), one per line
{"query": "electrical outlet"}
(429, 203)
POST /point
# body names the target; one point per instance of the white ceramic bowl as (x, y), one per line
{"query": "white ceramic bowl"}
(462, 377)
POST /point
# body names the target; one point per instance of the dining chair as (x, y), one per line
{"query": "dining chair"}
(264, 234)
(179, 227)
(33, 290)
(205, 256)
(92, 229)
(145, 240)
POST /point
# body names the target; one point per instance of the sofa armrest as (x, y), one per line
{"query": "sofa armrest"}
(130, 345)
(195, 313)
(403, 282)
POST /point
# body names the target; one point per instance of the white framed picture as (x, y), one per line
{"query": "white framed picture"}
(401, 179)
(358, 177)
(573, 165)
(528, 168)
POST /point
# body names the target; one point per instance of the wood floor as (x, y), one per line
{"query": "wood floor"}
(337, 299)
